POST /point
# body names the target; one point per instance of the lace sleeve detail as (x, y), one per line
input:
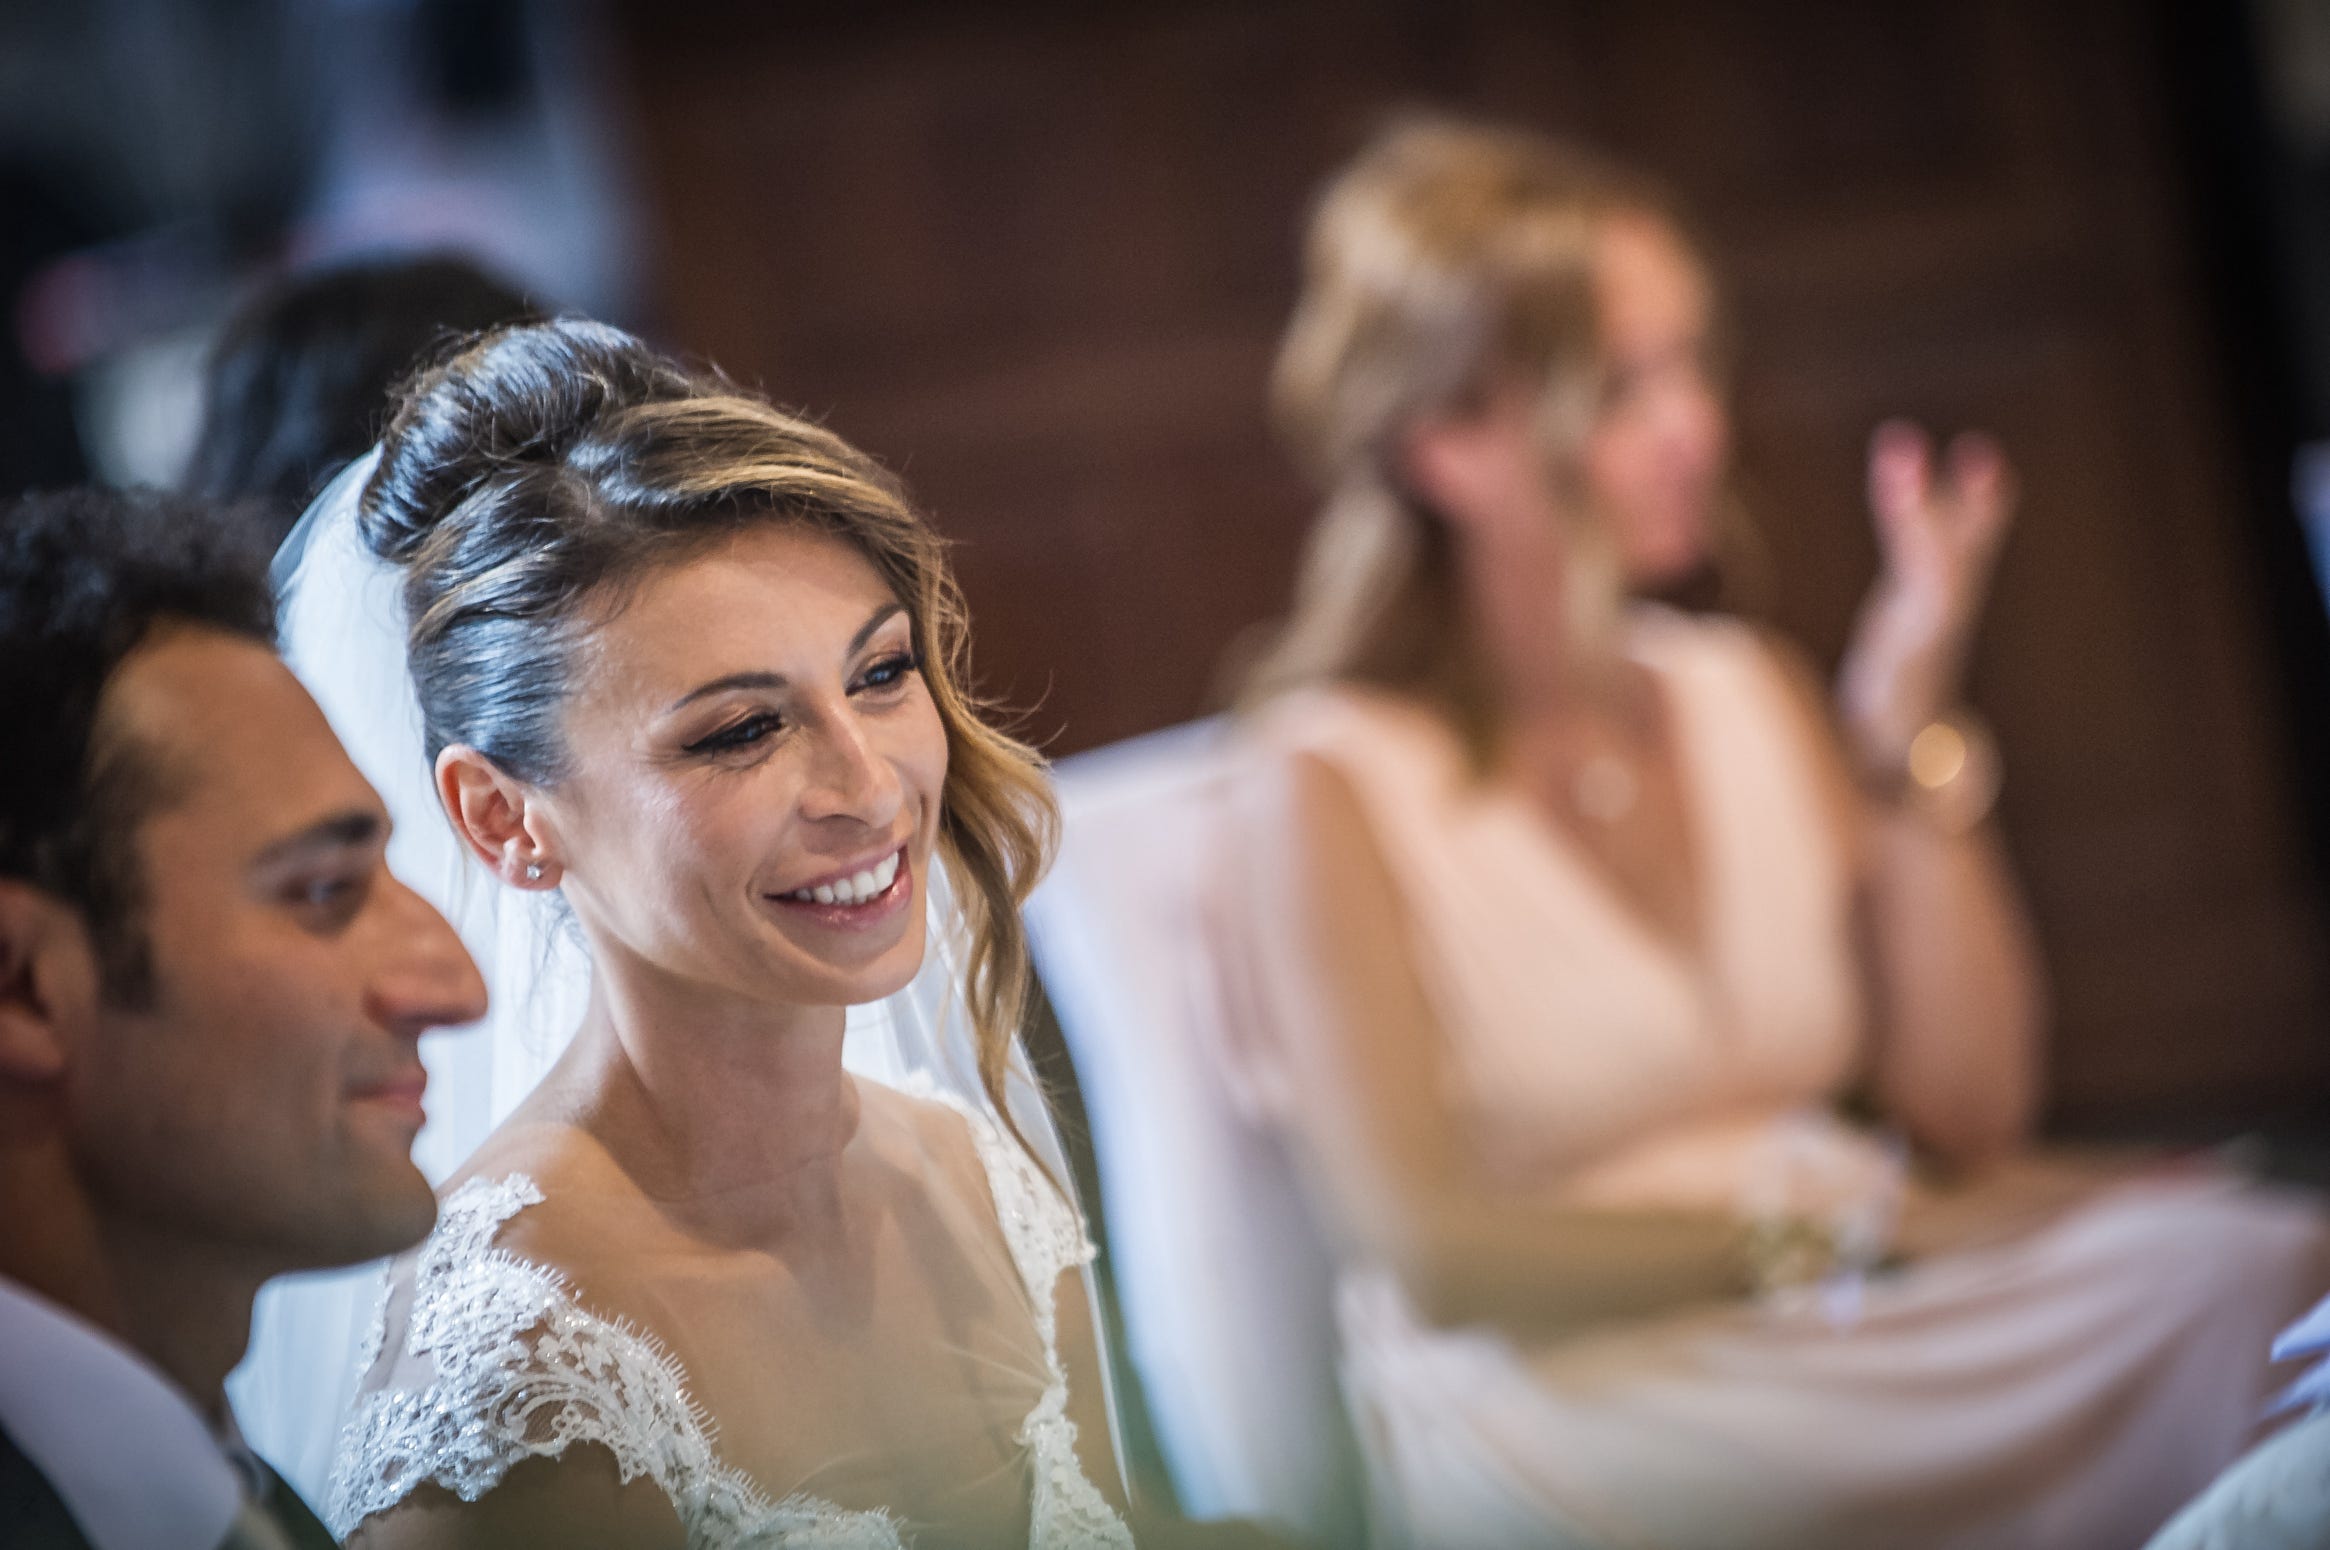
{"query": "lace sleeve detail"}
(1047, 1240)
(521, 1371)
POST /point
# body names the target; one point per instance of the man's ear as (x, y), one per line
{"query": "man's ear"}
(48, 982)
(497, 818)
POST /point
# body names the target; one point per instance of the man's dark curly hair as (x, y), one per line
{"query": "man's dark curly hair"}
(85, 576)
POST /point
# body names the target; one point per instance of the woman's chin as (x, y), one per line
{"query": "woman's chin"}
(1664, 562)
(886, 978)
(828, 983)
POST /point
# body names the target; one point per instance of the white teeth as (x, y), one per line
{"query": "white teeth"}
(855, 889)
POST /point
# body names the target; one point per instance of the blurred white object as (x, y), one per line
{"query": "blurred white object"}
(2308, 1340)
(2310, 493)
(1225, 1291)
(2277, 1497)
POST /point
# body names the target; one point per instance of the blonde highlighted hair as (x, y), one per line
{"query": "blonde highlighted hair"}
(1445, 263)
(541, 467)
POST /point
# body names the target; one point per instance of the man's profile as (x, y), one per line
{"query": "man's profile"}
(211, 999)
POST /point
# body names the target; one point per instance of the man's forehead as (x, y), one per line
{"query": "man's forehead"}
(240, 738)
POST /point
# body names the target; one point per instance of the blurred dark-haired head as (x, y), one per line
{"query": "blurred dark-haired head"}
(86, 577)
(300, 380)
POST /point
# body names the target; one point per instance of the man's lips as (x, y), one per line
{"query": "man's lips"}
(402, 1091)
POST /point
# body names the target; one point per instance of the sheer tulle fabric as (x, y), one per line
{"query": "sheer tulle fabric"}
(912, 1401)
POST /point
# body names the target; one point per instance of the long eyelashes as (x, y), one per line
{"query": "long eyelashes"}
(891, 670)
(742, 734)
(883, 676)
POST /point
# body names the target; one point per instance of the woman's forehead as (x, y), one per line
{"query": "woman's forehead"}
(766, 596)
(1649, 278)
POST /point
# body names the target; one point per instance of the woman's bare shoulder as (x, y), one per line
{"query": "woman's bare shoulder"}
(899, 1122)
(574, 1501)
(1336, 716)
(583, 1216)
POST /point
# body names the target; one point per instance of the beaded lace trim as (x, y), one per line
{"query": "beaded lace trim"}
(522, 1371)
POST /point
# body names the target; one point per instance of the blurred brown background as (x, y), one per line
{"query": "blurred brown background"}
(1038, 256)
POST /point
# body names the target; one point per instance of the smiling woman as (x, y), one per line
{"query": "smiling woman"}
(530, 484)
(696, 665)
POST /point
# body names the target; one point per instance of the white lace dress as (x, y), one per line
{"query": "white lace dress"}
(519, 1368)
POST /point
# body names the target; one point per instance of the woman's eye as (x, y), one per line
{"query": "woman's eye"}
(742, 734)
(890, 671)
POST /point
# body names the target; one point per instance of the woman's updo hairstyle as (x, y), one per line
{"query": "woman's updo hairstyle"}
(529, 479)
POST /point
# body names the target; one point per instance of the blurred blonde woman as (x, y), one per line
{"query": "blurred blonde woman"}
(1559, 924)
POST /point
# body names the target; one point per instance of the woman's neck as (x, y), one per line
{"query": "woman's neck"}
(1548, 671)
(731, 1114)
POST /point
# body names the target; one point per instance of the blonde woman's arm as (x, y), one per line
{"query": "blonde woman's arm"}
(1384, 1151)
(1957, 1001)
(1958, 991)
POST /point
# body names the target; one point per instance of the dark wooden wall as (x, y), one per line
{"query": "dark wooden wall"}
(1037, 255)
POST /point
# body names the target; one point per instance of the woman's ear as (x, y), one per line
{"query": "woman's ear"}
(48, 983)
(497, 817)
(1474, 466)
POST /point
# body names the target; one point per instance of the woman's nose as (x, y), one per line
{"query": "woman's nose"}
(851, 778)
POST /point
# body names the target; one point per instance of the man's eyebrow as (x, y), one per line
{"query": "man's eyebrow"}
(341, 831)
(766, 680)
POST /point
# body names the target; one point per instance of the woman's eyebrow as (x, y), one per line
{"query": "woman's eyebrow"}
(866, 631)
(747, 680)
(757, 679)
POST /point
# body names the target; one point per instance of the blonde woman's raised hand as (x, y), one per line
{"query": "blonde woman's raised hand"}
(1940, 523)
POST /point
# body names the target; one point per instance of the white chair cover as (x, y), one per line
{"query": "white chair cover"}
(1224, 1288)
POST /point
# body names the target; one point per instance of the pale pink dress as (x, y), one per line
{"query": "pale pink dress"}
(2065, 1386)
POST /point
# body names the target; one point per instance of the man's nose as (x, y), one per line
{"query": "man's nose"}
(429, 980)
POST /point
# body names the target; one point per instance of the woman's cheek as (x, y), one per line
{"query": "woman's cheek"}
(930, 769)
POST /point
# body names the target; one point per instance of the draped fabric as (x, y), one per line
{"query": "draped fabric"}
(2067, 1381)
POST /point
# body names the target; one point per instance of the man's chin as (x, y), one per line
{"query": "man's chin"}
(385, 1216)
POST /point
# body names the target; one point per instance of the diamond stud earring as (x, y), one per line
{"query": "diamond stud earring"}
(533, 872)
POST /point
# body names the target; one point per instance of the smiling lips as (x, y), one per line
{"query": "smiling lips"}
(857, 888)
